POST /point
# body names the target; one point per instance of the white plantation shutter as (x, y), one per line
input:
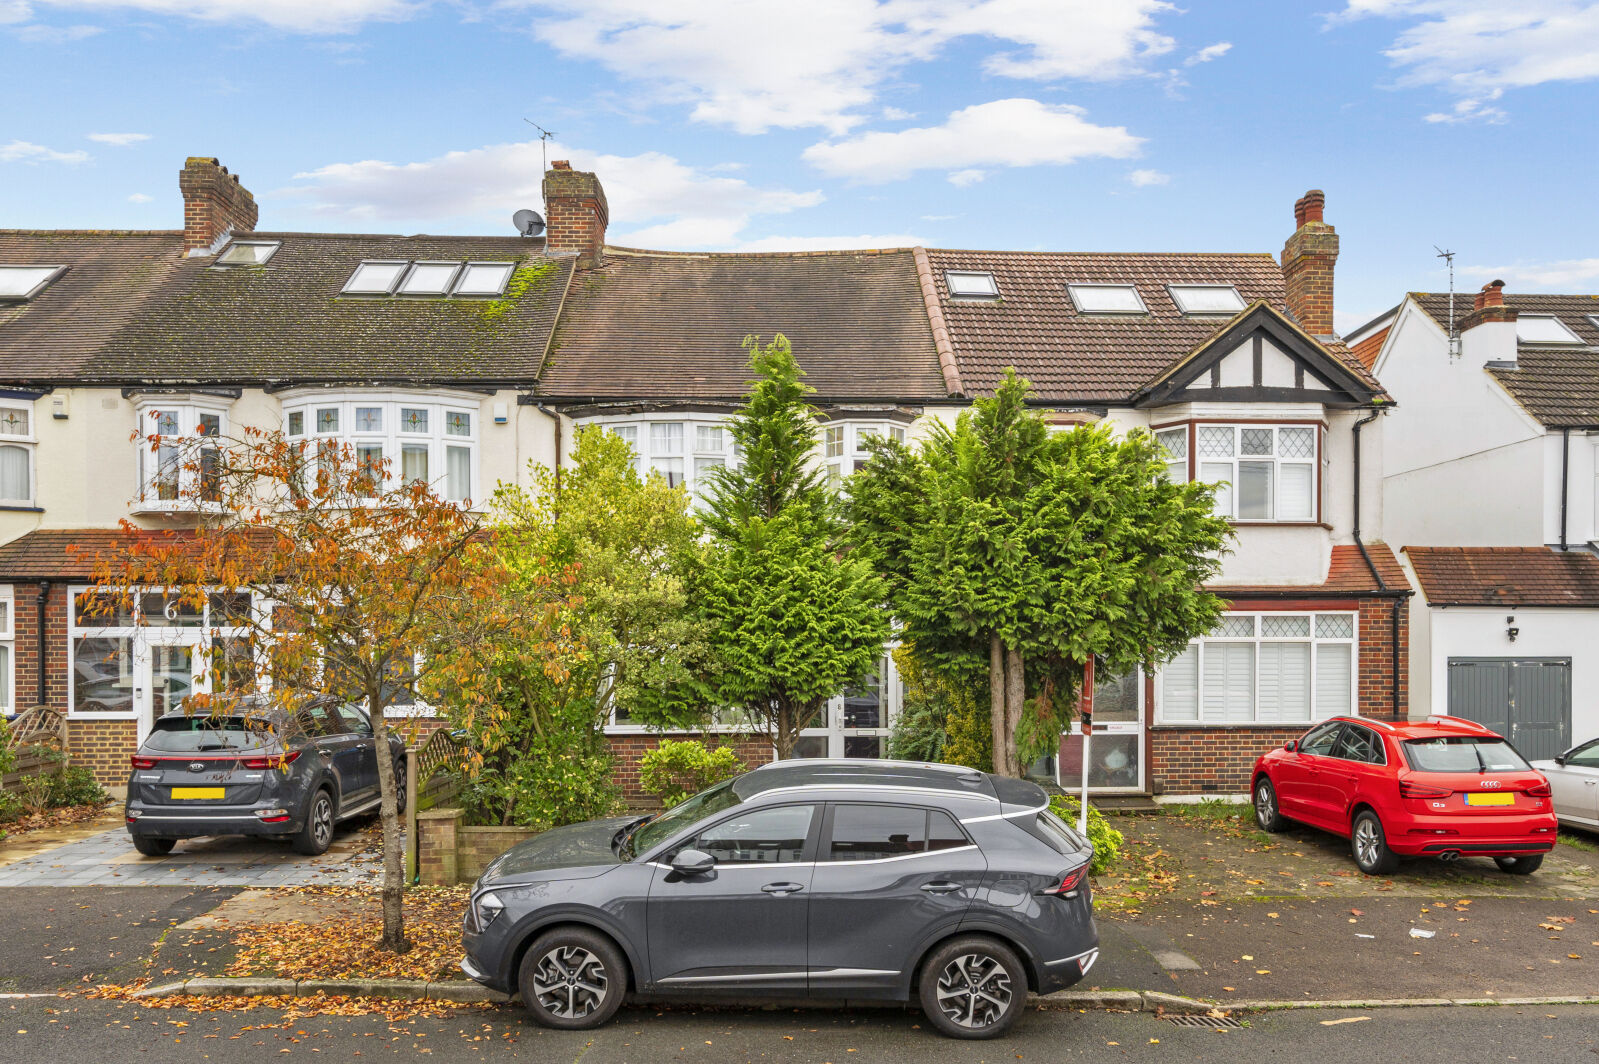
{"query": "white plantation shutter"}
(1294, 492)
(1179, 687)
(1284, 682)
(1334, 679)
(1227, 693)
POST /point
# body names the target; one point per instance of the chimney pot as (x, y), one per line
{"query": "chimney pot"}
(1492, 295)
(561, 164)
(1315, 202)
(1308, 259)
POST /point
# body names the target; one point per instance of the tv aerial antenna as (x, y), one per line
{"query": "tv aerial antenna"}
(1454, 341)
(545, 136)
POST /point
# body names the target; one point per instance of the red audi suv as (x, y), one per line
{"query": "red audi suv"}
(1443, 787)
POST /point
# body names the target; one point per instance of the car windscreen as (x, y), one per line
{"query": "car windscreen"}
(702, 805)
(1462, 753)
(197, 735)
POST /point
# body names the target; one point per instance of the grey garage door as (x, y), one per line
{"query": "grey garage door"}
(1527, 700)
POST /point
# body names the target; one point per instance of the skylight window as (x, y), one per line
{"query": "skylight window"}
(1544, 329)
(375, 278)
(1206, 298)
(484, 279)
(248, 253)
(968, 284)
(1106, 299)
(25, 282)
(429, 279)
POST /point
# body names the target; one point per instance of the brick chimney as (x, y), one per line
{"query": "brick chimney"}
(214, 205)
(575, 212)
(1308, 260)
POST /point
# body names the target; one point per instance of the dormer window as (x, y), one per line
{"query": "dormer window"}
(1206, 298)
(1544, 329)
(248, 253)
(25, 282)
(375, 277)
(971, 284)
(1106, 299)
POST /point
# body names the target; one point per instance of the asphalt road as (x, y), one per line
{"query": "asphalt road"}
(70, 1031)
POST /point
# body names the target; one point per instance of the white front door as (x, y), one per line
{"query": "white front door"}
(857, 723)
(166, 668)
(1116, 747)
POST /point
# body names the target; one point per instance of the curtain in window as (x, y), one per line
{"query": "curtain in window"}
(1295, 489)
(457, 473)
(1334, 679)
(5, 678)
(1227, 694)
(14, 485)
(414, 462)
(1284, 683)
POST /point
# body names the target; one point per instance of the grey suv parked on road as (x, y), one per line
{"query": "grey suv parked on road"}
(255, 769)
(833, 880)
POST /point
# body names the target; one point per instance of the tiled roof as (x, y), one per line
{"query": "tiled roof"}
(655, 325)
(1347, 572)
(1558, 385)
(1074, 357)
(61, 553)
(1506, 576)
(110, 276)
(286, 320)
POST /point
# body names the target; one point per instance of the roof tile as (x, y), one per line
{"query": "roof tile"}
(1506, 576)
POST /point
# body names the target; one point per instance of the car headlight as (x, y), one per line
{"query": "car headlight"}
(483, 911)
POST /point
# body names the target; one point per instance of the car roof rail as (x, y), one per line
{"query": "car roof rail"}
(1445, 718)
(856, 762)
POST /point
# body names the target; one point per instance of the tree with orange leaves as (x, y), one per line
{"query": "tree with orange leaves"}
(359, 584)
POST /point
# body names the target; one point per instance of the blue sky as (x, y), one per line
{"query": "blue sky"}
(1031, 124)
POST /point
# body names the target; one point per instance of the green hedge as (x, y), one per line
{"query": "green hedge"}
(677, 770)
(1106, 839)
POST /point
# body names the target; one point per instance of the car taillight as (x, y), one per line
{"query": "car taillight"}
(1539, 790)
(1069, 882)
(143, 762)
(1417, 790)
(275, 761)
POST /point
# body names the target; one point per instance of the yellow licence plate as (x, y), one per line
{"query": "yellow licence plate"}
(1491, 799)
(222, 792)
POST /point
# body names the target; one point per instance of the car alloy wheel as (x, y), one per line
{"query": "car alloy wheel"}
(974, 991)
(1370, 846)
(1266, 814)
(322, 820)
(570, 983)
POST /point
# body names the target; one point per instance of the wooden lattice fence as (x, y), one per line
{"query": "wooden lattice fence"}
(429, 782)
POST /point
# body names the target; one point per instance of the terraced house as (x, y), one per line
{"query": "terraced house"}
(461, 359)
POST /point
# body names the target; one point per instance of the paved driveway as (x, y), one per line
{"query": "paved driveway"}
(109, 859)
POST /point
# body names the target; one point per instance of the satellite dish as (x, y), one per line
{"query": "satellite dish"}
(528, 223)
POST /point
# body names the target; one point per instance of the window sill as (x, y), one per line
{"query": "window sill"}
(1279, 524)
(20, 509)
(1193, 725)
(643, 729)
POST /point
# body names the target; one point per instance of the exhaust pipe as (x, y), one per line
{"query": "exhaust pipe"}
(1449, 855)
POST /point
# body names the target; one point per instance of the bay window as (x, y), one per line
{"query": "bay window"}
(682, 450)
(1261, 472)
(179, 453)
(414, 439)
(844, 449)
(16, 453)
(1264, 668)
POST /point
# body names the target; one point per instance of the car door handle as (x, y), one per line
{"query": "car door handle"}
(941, 887)
(781, 889)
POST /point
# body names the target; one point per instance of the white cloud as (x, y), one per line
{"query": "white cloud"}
(1476, 49)
(1571, 275)
(897, 114)
(38, 33)
(140, 197)
(1472, 110)
(14, 11)
(119, 140)
(829, 58)
(830, 243)
(1145, 178)
(1016, 132)
(295, 16)
(1209, 53)
(939, 217)
(21, 151)
(655, 200)
(963, 178)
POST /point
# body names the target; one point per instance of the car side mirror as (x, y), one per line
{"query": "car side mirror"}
(1291, 744)
(693, 863)
(1560, 759)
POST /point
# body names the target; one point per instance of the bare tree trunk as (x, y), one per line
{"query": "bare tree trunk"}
(393, 849)
(996, 701)
(1015, 697)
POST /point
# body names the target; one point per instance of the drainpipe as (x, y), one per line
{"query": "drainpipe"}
(541, 408)
(1565, 477)
(1382, 585)
(44, 594)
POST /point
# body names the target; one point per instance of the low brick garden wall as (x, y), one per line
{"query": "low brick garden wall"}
(450, 851)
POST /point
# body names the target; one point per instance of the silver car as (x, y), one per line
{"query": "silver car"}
(1574, 779)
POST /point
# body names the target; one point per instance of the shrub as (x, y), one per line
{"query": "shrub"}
(543, 782)
(675, 770)
(34, 794)
(1106, 839)
(943, 718)
(75, 785)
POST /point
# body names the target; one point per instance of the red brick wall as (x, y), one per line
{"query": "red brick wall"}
(104, 746)
(628, 749)
(26, 616)
(1308, 259)
(1189, 760)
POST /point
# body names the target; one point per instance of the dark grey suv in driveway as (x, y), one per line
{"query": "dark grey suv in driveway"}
(255, 769)
(833, 880)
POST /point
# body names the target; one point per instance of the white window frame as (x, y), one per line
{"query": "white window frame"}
(1074, 288)
(391, 436)
(980, 284)
(1197, 462)
(27, 442)
(851, 435)
(1569, 338)
(8, 647)
(697, 463)
(1179, 291)
(189, 409)
(271, 247)
(49, 278)
(1317, 713)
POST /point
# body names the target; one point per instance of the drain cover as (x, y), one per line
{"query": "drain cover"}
(1220, 1023)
